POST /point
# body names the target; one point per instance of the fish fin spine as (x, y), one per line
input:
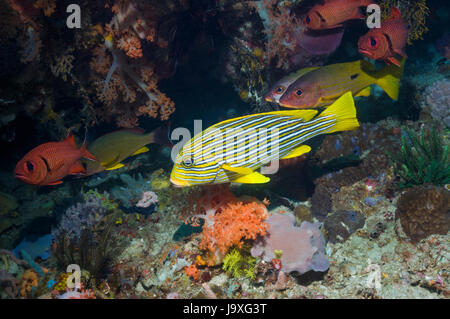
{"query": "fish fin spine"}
(395, 13)
(71, 139)
(86, 154)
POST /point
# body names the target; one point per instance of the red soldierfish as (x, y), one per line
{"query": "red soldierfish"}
(50, 162)
(385, 42)
(333, 13)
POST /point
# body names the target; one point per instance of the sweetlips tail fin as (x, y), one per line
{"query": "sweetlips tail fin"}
(343, 109)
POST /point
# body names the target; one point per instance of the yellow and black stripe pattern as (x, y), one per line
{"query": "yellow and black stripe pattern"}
(232, 150)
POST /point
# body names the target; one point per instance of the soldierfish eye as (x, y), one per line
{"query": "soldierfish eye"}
(373, 42)
(280, 89)
(299, 92)
(29, 166)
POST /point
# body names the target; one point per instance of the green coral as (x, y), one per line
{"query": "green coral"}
(423, 159)
(239, 264)
(106, 203)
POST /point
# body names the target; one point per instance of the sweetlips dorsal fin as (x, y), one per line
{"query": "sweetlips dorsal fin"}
(136, 130)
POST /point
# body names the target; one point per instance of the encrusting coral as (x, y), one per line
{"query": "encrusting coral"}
(424, 210)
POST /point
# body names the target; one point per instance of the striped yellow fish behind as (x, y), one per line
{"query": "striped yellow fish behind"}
(322, 86)
(232, 150)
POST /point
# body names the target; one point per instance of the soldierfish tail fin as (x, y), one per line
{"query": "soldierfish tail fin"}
(344, 111)
(388, 78)
(161, 136)
(86, 154)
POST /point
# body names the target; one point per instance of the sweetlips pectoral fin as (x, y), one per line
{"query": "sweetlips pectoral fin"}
(140, 151)
(302, 149)
(253, 178)
(364, 92)
(239, 170)
(117, 166)
(112, 163)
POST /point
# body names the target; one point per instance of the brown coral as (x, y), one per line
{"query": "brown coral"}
(424, 210)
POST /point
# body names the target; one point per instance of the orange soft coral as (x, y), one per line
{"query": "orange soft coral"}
(29, 280)
(128, 88)
(229, 221)
(192, 272)
(47, 6)
(131, 45)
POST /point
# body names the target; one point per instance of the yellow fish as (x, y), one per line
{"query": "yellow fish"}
(324, 85)
(233, 150)
(112, 148)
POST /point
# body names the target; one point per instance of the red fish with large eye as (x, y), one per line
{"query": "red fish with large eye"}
(333, 13)
(385, 42)
(50, 162)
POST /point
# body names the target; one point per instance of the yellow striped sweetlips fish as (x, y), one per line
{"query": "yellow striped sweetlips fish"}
(324, 85)
(232, 150)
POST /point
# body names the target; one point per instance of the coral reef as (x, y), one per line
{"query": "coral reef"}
(84, 235)
(340, 225)
(111, 85)
(228, 221)
(423, 211)
(132, 192)
(435, 101)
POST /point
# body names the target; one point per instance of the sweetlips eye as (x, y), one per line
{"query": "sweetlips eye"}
(29, 166)
(187, 161)
(280, 89)
(299, 92)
